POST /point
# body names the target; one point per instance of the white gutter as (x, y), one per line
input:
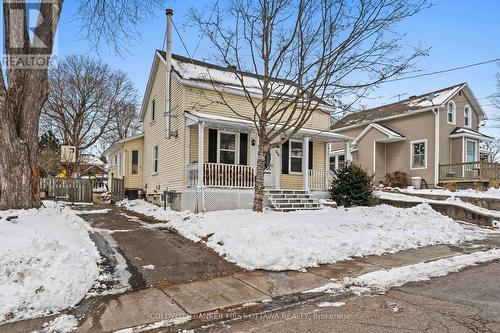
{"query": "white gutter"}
(168, 68)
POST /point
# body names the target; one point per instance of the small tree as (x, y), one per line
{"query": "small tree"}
(352, 186)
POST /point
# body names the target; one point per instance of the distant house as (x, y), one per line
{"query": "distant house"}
(199, 149)
(434, 136)
(91, 166)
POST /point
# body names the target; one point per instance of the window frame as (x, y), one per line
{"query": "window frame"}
(412, 143)
(153, 109)
(336, 161)
(467, 117)
(154, 158)
(290, 157)
(132, 162)
(236, 147)
(476, 150)
(453, 113)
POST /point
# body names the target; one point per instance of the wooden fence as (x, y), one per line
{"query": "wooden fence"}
(67, 189)
(117, 189)
(469, 171)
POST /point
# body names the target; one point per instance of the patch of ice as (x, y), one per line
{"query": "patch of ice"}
(96, 211)
(149, 267)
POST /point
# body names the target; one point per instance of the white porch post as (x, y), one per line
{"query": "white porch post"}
(327, 164)
(187, 152)
(347, 151)
(201, 150)
(305, 162)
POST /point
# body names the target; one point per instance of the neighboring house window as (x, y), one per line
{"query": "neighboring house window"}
(155, 159)
(153, 109)
(295, 156)
(467, 116)
(227, 148)
(419, 154)
(116, 160)
(337, 162)
(120, 165)
(451, 114)
(135, 162)
(471, 150)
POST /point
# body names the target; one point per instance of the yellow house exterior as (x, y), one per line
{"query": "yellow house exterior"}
(201, 154)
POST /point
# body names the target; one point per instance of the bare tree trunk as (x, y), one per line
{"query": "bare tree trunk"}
(20, 108)
(258, 201)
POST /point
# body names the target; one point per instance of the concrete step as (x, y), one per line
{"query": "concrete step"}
(309, 200)
(289, 196)
(286, 191)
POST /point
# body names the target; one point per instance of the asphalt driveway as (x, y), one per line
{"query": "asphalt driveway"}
(155, 256)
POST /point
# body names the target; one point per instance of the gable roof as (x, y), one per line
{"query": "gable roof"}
(408, 106)
(201, 72)
(391, 134)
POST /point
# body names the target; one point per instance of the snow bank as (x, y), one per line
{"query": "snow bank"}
(283, 241)
(491, 193)
(61, 324)
(47, 261)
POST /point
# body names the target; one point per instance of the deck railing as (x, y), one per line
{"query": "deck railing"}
(469, 171)
(320, 179)
(221, 175)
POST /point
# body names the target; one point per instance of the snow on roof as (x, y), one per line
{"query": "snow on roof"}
(91, 160)
(434, 99)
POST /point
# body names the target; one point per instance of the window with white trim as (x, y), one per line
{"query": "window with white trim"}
(337, 162)
(155, 160)
(451, 113)
(467, 116)
(419, 154)
(153, 109)
(135, 162)
(295, 156)
(471, 151)
(227, 148)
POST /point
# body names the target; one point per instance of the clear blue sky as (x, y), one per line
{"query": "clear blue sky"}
(459, 32)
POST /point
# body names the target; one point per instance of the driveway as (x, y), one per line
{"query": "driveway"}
(154, 256)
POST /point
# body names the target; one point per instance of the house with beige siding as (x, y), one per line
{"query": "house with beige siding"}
(434, 136)
(202, 155)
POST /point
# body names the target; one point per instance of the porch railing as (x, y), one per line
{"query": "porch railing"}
(469, 171)
(222, 175)
(320, 179)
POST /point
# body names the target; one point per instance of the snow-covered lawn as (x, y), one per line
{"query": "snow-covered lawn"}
(491, 193)
(47, 261)
(295, 240)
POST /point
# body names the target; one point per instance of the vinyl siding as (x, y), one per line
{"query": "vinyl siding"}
(133, 181)
(171, 158)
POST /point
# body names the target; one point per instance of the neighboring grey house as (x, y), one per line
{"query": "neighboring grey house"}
(434, 136)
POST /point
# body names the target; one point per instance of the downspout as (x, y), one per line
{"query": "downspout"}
(436, 148)
(168, 59)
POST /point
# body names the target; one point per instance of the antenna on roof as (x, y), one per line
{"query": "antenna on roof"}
(431, 96)
(399, 96)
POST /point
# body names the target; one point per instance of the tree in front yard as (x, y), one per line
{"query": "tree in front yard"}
(24, 85)
(289, 56)
(352, 186)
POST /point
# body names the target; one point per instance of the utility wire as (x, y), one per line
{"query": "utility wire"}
(443, 71)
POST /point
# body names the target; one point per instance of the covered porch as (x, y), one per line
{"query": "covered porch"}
(221, 152)
(464, 155)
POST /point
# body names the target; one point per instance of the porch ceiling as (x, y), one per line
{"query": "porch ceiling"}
(244, 125)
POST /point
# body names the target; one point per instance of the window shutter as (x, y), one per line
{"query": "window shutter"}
(310, 155)
(243, 148)
(212, 146)
(284, 158)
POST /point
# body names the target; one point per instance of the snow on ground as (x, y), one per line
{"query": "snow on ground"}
(61, 324)
(381, 280)
(95, 211)
(331, 304)
(451, 200)
(492, 193)
(384, 279)
(149, 267)
(158, 324)
(47, 261)
(295, 240)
